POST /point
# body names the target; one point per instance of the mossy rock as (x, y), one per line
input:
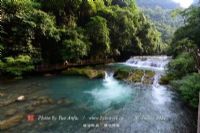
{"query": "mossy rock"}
(149, 77)
(87, 72)
(65, 102)
(135, 75)
(42, 100)
(164, 80)
(122, 74)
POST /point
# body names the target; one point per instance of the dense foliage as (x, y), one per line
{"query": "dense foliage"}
(50, 32)
(189, 88)
(181, 65)
(16, 66)
(184, 67)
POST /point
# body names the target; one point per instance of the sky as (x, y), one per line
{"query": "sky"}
(184, 3)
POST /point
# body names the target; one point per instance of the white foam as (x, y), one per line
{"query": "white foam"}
(149, 62)
(111, 91)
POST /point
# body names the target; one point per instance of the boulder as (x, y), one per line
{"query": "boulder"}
(121, 74)
(164, 80)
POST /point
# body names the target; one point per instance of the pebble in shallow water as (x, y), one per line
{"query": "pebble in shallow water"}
(21, 98)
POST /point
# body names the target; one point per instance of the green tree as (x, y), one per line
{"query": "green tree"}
(65, 11)
(98, 33)
(183, 45)
(75, 45)
(183, 64)
(27, 29)
(191, 28)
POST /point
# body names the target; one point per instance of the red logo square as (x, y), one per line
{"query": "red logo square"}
(31, 118)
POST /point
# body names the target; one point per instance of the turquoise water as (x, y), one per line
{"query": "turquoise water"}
(116, 106)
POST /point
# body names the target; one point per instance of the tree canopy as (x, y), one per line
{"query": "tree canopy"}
(50, 32)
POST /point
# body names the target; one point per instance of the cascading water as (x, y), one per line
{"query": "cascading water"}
(142, 79)
(153, 108)
(149, 62)
(157, 64)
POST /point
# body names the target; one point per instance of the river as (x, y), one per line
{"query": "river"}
(105, 105)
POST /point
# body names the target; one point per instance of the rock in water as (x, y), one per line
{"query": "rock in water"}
(11, 122)
(11, 112)
(21, 98)
(2, 94)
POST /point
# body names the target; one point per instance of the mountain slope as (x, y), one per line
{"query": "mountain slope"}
(166, 4)
(159, 12)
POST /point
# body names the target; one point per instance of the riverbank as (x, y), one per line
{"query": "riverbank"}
(54, 69)
(61, 67)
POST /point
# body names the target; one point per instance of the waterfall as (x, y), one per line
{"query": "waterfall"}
(158, 65)
(142, 79)
(154, 63)
(149, 62)
(111, 91)
(108, 76)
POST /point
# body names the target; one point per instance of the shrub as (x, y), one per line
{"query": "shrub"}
(16, 66)
(182, 65)
(189, 87)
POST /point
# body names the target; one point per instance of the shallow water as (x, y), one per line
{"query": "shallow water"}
(103, 106)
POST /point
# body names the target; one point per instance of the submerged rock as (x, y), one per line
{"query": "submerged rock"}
(11, 112)
(21, 98)
(11, 122)
(87, 72)
(42, 100)
(64, 102)
(135, 75)
(2, 94)
(164, 80)
(7, 102)
(30, 108)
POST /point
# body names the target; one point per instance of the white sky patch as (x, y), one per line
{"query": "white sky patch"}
(184, 3)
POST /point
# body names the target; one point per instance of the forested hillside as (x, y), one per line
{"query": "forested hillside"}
(161, 14)
(41, 32)
(184, 68)
(165, 4)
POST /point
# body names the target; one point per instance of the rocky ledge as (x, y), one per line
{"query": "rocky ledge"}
(135, 75)
(86, 72)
